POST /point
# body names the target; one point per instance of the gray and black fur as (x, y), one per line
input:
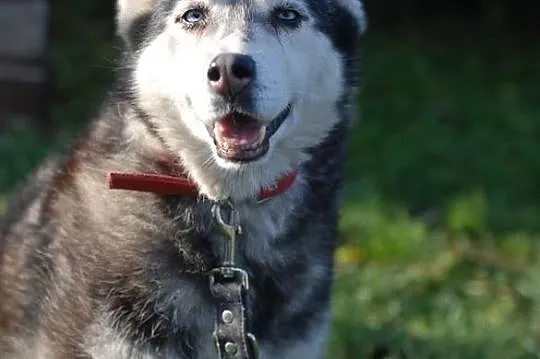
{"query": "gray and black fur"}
(86, 272)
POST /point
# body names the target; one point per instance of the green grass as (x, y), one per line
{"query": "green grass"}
(440, 227)
(439, 245)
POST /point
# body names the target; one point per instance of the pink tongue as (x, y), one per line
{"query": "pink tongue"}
(238, 130)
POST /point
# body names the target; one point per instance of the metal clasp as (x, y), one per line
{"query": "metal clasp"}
(254, 345)
(228, 219)
(230, 273)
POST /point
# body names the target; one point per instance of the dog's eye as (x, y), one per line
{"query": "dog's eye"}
(288, 15)
(193, 16)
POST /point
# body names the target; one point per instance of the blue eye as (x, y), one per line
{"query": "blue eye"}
(193, 16)
(288, 15)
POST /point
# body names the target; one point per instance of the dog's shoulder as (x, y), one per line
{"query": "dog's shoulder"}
(30, 194)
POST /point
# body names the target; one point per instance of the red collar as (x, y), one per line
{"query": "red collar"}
(181, 185)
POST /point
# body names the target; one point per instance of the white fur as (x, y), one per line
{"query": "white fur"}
(128, 11)
(294, 66)
(356, 8)
(104, 342)
(264, 223)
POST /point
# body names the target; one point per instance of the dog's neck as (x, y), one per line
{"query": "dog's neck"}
(146, 140)
(177, 183)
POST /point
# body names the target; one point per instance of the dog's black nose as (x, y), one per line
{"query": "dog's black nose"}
(230, 73)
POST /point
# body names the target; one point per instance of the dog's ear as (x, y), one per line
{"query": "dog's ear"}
(130, 14)
(356, 9)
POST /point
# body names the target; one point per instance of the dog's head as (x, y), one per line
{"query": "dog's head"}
(241, 89)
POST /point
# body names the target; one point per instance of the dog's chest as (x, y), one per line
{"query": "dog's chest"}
(178, 319)
(183, 322)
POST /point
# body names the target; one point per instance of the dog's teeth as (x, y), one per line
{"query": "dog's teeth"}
(262, 135)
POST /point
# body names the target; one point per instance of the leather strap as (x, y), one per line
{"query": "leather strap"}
(230, 323)
(181, 185)
(228, 283)
(154, 183)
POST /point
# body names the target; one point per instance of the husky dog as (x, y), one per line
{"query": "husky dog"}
(238, 94)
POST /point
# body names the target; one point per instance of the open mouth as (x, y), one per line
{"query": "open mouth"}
(242, 138)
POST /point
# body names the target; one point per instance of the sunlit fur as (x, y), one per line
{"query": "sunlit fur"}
(297, 66)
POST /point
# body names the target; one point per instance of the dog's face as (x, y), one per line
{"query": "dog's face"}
(241, 89)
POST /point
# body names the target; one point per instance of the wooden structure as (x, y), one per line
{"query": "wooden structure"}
(23, 60)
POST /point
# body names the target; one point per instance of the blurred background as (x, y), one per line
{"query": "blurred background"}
(439, 252)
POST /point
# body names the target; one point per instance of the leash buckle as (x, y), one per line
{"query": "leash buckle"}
(254, 345)
(237, 275)
(228, 285)
(228, 219)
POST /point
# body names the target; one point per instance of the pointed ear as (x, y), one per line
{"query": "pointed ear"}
(356, 9)
(128, 12)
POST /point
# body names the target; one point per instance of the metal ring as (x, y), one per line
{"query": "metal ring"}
(254, 345)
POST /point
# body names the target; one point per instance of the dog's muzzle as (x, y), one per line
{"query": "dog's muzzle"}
(240, 137)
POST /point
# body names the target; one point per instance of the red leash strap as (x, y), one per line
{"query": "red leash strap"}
(283, 184)
(181, 186)
(153, 183)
